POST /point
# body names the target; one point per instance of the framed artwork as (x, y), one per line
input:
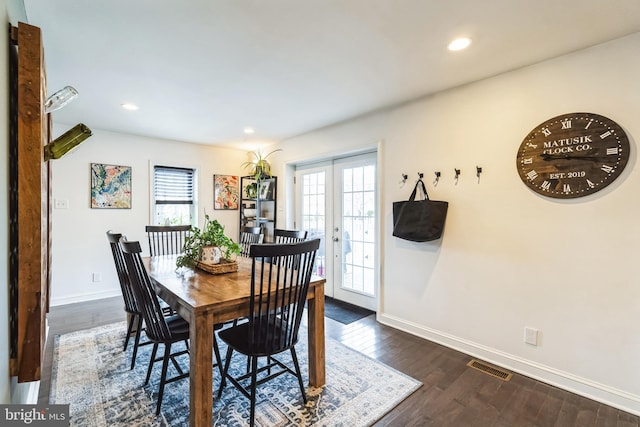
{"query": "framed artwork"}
(264, 189)
(225, 192)
(110, 186)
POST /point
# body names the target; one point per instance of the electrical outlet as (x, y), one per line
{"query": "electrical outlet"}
(531, 336)
(97, 277)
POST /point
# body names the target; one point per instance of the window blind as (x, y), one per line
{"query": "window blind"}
(173, 185)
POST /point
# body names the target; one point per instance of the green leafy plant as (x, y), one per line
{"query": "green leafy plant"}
(212, 234)
(260, 167)
(251, 190)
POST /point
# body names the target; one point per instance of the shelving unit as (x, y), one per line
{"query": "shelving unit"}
(258, 204)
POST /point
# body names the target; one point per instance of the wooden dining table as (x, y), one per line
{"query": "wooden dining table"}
(205, 299)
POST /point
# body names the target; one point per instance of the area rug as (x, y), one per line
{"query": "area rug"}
(344, 312)
(91, 373)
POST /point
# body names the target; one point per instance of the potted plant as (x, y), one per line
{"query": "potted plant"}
(260, 167)
(211, 236)
(251, 190)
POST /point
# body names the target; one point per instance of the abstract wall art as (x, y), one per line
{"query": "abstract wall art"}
(110, 186)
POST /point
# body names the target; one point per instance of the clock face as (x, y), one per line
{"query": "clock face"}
(573, 155)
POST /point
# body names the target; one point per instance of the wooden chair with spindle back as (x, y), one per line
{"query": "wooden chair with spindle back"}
(289, 236)
(277, 299)
(249, 236)
(130, 304)
(159, 329)
(167, 239)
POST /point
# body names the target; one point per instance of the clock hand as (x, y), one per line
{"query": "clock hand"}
(548, 157)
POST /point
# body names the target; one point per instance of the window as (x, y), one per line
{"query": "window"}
(174, 198)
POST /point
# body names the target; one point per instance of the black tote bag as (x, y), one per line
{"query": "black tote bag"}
(419, 220)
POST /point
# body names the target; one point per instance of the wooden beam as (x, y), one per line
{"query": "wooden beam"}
(32, 204)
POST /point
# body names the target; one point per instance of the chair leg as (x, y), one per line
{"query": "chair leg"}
(227, 362)
(153, 356)
(163, 378)
(254, 375)
(216, 350)
(136, 343)
(132, 318)
(294, 356)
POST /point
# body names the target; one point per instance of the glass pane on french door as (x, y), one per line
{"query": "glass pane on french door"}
(355, 180)
(313, 213)
(336, 202)
(358, 219)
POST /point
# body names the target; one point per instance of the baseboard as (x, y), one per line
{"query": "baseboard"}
(611, 396)
(84, 297)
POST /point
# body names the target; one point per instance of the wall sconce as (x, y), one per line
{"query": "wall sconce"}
(60, 99)
(66, 142)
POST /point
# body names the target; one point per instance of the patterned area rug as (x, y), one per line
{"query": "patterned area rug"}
(91, 373)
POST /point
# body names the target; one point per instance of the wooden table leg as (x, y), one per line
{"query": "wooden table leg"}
(200, 373)
(315, 313)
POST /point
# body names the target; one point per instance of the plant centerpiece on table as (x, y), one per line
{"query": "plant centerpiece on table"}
(211, 235)
(259, 168)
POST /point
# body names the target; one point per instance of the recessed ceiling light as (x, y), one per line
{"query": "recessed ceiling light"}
(128, 106)
(248, 130)
(459, 44)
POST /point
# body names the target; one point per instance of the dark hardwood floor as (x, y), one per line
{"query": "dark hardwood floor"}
(452, 393)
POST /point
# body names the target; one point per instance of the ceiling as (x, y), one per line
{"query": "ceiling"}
(203, 70)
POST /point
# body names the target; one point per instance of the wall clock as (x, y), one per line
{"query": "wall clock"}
(573, 155)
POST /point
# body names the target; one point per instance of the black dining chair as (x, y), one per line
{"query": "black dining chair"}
(289, 236)
(278, 294)
(281, 236)
(249, 236)
(159, 329)
(130, 305)
(167, 239)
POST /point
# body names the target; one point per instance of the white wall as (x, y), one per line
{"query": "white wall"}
(510, 258)
(80, 245)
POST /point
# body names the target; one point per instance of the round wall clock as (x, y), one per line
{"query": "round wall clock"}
(573, 155)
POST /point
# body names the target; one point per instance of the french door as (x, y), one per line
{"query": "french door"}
(336, 202)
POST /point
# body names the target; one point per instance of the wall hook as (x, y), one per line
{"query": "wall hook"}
(435, 182)
(420, 175)
(457, 175)
(403, 179)
(478, 172)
